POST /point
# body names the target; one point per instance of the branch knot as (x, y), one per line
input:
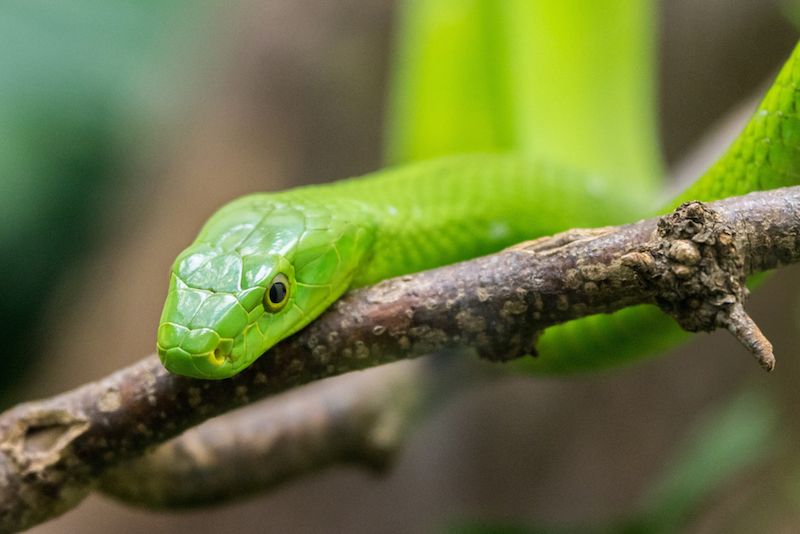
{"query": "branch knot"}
(699, 275)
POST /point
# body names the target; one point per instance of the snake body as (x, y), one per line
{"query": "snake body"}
(267, 264)
(323, 240)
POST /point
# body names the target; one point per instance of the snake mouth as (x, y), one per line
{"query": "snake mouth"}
(199, 353)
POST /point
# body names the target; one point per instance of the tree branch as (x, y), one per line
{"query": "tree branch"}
(691, 263)
(360, 419)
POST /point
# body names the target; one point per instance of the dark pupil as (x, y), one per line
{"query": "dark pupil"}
(277, 292)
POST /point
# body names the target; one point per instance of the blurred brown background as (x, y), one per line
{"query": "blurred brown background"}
(292, 92)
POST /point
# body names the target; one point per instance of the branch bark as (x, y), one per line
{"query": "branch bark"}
(361, 419)
(691, 263)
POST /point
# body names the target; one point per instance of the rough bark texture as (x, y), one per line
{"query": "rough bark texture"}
(692, 263)
(361, 419)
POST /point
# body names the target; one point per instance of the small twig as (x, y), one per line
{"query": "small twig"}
(692, 263)
(749, 334)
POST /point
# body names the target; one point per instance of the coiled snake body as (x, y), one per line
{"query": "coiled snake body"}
(266, 265)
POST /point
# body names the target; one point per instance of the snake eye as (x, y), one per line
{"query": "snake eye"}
(278, 294)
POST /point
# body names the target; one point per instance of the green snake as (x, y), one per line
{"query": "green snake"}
(266, 265)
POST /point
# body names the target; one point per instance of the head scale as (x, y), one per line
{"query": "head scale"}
(260, 270)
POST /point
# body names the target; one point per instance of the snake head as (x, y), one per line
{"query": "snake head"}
(260, 270)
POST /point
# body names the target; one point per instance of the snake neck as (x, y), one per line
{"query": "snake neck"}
(433, 213)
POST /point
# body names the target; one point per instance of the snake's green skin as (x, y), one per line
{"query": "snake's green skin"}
(326, 239)
(323, 240)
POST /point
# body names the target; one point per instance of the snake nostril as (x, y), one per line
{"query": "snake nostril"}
(222, 351)
(219, 355)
